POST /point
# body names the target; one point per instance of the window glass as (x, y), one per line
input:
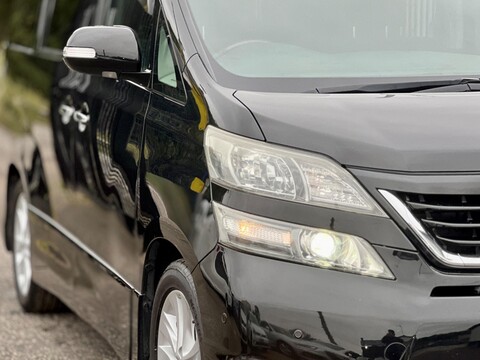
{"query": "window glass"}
(61, 23)
(165, 66)
(167, 75)
(341, 38)
(24, 21)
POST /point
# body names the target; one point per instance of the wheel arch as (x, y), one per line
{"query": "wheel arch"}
(164, 242)
(160, 253)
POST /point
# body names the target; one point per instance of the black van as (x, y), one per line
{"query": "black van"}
(250, 179)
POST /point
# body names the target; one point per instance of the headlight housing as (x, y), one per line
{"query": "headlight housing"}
(284, 173)
(316, 247)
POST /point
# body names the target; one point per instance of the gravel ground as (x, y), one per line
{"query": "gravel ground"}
(39, 337)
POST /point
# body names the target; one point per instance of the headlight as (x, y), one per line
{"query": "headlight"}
(284, 173)
(297, 243)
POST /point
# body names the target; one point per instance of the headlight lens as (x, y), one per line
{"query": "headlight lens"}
(284, 173)
(297, 243)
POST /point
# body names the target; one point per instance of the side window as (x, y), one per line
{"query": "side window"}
(165, 68)
(167, 78)
(24, 22)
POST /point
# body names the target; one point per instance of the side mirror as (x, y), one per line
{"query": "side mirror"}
(109, 51)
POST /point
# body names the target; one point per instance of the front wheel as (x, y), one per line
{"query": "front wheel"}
(175, 326)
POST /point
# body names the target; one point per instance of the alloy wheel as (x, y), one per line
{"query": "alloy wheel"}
(177, 334)
(21, 246)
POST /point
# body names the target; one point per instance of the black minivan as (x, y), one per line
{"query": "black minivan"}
(250, 179)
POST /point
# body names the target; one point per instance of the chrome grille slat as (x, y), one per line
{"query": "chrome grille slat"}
(446, 255)
(420, 206)
(461, 242)
(451, 225)
(453, 221)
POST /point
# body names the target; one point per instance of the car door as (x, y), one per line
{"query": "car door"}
(101, 218)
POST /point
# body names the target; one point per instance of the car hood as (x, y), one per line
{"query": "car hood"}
(402, 132)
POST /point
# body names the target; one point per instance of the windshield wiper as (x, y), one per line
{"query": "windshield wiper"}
(455, 85)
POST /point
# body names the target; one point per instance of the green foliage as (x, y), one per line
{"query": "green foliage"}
(34, 73)
(25, 87)
(19, 21)
(23, 20)
(61, 26)
(4, 18)
(20, 105)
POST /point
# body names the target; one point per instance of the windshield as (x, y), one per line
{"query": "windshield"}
(341, 38)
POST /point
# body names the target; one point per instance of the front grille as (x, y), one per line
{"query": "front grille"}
(452, 220)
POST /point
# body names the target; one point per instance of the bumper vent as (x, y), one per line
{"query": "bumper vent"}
(452, 220)
(456, 291)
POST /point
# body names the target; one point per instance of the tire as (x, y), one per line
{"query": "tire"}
(175, 287)
(31, 297)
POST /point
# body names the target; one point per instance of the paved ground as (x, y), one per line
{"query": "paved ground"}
(38, 337)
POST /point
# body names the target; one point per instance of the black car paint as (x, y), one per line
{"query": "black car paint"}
(113, 204)
(417, 132)
(121, 39)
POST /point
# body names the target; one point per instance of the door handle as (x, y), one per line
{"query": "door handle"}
(66, 112)
(82, 117)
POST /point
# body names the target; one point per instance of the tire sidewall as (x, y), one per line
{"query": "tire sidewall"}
(176, 277)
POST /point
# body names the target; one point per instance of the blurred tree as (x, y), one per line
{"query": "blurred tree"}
(61, 23)
(23, 20)
(22, 17)
(19, 20)
(4, 18)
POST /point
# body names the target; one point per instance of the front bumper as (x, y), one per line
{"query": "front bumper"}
(279, 310)
(259, 308)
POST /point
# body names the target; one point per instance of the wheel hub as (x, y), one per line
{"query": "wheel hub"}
(21, 246)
